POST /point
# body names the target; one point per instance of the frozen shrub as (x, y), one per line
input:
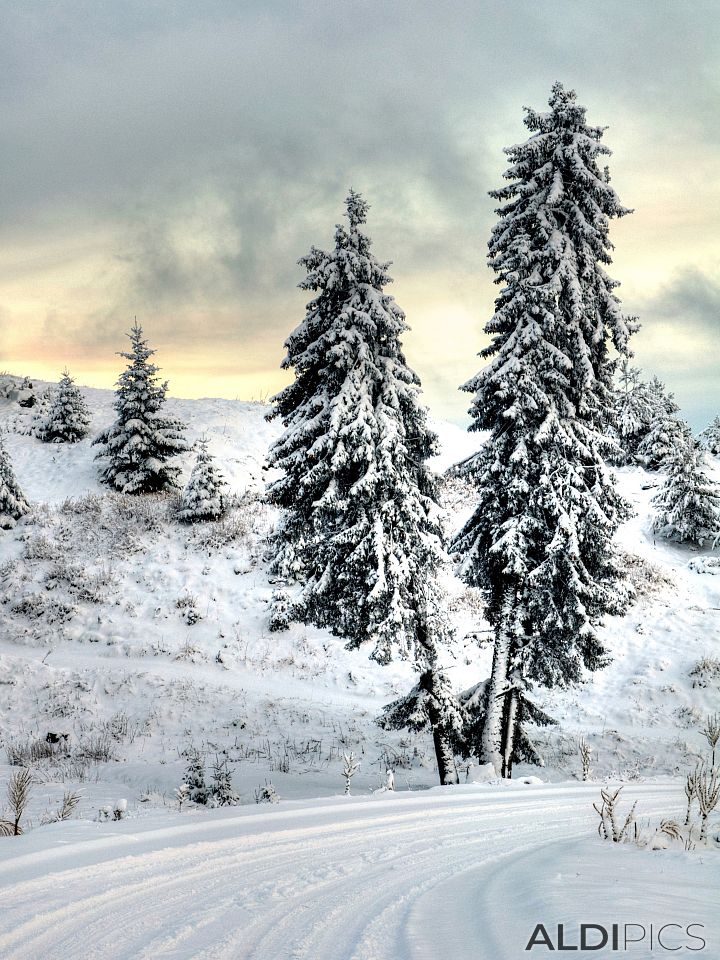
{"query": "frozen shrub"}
(266, 793)
(609, 827)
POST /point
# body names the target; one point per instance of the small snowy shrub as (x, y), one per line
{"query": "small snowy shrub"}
(610, 827)
(13, 504)
(280, 611)
(187, 603)
(266, 793)
(706, 671)
(350, 768)
(584, 751)
(18, 796)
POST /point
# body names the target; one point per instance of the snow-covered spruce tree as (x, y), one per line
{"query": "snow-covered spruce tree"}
(361, 526)
(67, 417)
(202, 498)
(668, 434)
(13, 504)
(138, 446)
(711, 437)
(688, 504)
(633, 411)
(539, 543)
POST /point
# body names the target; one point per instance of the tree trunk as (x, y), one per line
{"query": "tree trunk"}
(491, 743)
(509, 732)
(444, 755)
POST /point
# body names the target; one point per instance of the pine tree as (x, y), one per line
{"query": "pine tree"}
(711, 437)
(138, 446)
(13, 504)
(539, 543)
(67, 417)
(688, 504)
(361, 526)
(202, 498)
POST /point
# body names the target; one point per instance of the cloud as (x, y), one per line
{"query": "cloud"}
(172, 160)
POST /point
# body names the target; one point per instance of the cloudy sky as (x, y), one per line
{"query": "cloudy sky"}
(171, 160)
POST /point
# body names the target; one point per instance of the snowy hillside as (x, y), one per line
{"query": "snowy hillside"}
(131, 639)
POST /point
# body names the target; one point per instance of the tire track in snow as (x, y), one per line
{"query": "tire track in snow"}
(369, 881)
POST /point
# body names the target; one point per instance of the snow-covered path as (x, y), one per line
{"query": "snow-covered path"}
(467, 871)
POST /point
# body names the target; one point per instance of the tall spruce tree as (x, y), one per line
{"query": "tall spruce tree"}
(13, 504)
(67, 417)
(141, 442)
(688, 504)
(361, 527)
(539, 543)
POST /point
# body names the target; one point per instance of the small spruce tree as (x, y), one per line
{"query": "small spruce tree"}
(668, 435)
(688, 504)
(711, 437)
(222, 793)
(138, 446)
(66, 418)
(203, 498)
(197, 788)
(13, 504)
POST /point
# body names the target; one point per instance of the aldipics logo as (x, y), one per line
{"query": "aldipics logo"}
(621, 937)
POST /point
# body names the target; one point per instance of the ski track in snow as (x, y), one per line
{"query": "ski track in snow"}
(361, 879)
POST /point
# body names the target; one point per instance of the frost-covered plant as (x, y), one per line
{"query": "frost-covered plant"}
(691, 782)
(182, 794)
(609, 827)
(280, 611)
(13, 504)
(585, 756)
(18, 795)
(711, 732)
(266, 793)
(350, 767)
(66, 417)
(138, 446)
(203, 498)
(708, 794)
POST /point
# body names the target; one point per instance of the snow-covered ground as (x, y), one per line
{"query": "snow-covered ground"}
(466, 873)
(140, 638)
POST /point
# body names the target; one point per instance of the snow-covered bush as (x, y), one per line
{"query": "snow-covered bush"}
(139, 445)
(266, 793)
(66, 417)
(13, 504)
(610, 827)
(280, 611)
(711, 437)
(202, 498)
